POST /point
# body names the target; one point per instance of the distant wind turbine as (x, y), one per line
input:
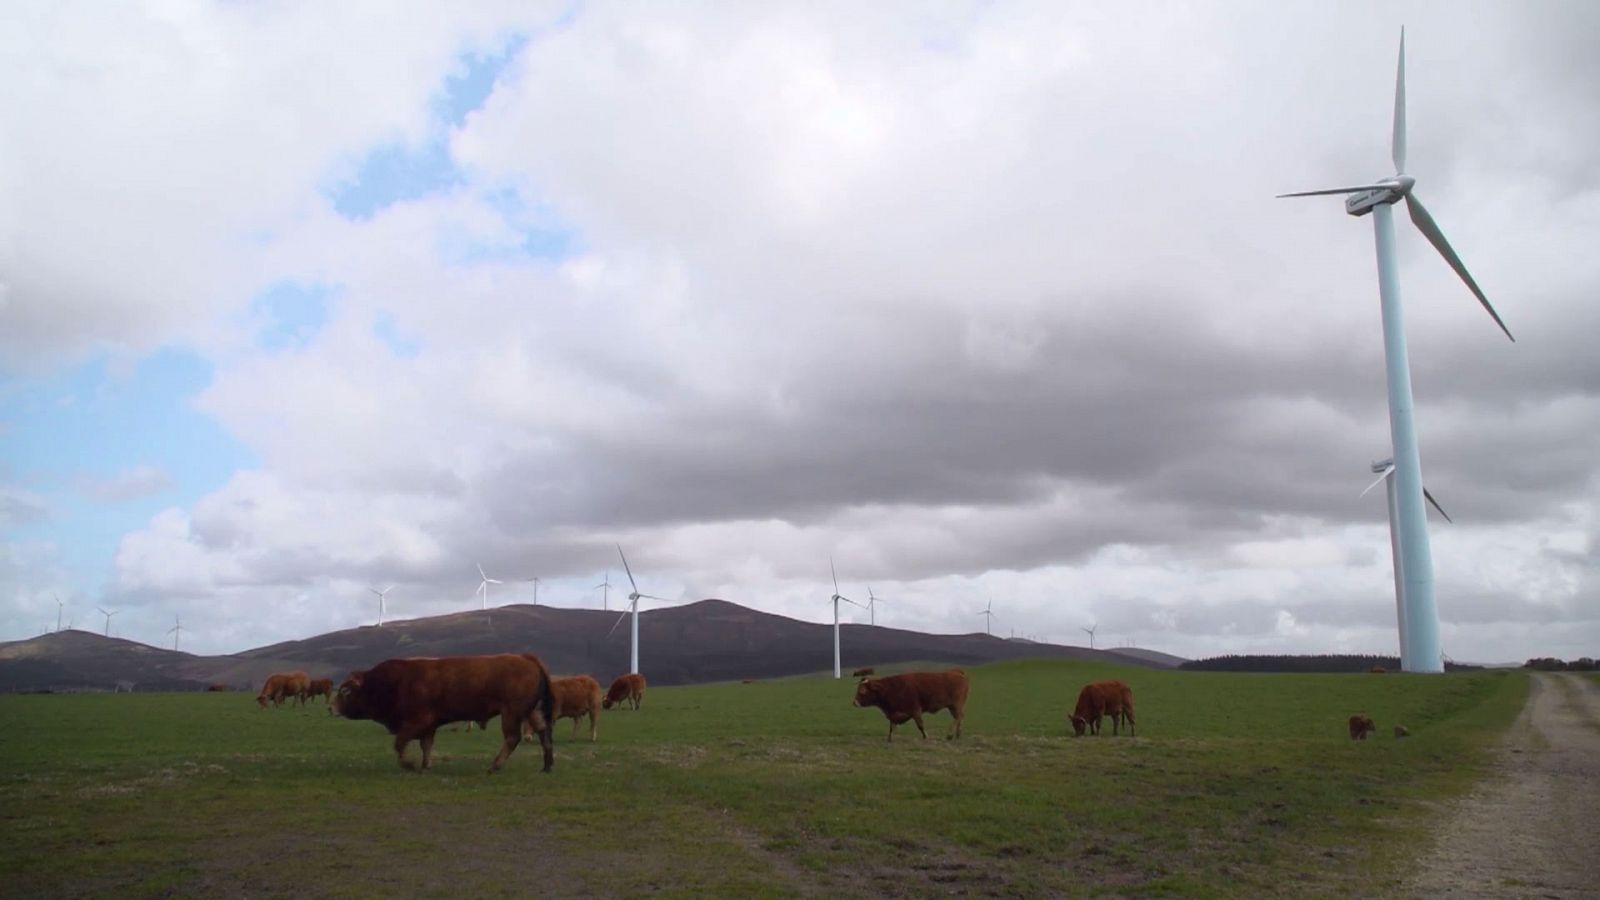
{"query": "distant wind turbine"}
(381, 595)
(1384, 469)
(483, 586)
(535, 580)
(108, 613)
(872, 605)
(1090, 631)
(59, 607)
(176, 631)
(836, 598)
(1420, 634)
(633, 604)
(988, 613)
(605, 591)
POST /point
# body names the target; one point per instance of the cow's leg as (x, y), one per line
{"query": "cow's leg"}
(547, 743)
(575, 721)
(1130, 723)
(917, 717)
(402, 740)
(955, 727)
(427, 747)
(891, 729)
(594, 720)
(511, 731)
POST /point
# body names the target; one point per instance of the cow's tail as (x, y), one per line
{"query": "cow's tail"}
(547, 699)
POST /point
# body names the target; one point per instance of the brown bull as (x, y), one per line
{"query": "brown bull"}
(909, 696)
(413, 697)
(1360, 727)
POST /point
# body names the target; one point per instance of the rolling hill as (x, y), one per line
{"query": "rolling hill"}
(711, 640)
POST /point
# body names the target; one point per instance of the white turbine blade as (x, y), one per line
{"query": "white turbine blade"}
(1398, 145)
(1430, 230)
(835, 576)
(481, 572)
(1339, 190)
(1386, 473)
(1437, 506)
(494, 581)
(654, 597)
(852, 602)
(614, 625)
(626, 569)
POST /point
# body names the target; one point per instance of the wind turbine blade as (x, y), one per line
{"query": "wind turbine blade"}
(1339, 190)
(376, 591)
(1437, 506)
(617, 622)
(626, 569)
(494, 581)
(1386, 473)
(654, 597)
(1430, 230)
(481, 572)
(1398, 146)
(835, 576)
(852, 602)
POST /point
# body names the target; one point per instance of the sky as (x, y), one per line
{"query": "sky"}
(985, 302)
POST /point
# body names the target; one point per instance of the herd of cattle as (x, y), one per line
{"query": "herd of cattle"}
(412, 698)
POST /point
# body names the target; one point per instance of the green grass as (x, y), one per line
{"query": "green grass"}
(1236, 785)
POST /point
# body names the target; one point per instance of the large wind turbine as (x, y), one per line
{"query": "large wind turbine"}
(381, 595)
(483, 586)
(176, 631)
(988, 614)
(633, 603)
(1384, 469)
(1420, 635)
(836, 598)
(108, 613)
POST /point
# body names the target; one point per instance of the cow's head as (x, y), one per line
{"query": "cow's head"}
(351, 701)
(262, 699)
(867, 693)
(1079, 725)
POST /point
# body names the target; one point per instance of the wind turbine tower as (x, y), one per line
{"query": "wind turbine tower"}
(1420, 650)
(381, 595)
(176, 631)
(988, 614)
(1384, 469)
(483, 586)
(633, 603)
(836, 598)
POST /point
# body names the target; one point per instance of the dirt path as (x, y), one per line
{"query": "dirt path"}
(1530, 830)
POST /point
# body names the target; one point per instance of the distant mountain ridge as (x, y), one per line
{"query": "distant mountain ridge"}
(710, 640)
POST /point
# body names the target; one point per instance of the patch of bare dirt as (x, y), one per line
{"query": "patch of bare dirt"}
(1529, 830)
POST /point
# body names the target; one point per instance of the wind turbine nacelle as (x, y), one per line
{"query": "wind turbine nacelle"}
(1360, 204)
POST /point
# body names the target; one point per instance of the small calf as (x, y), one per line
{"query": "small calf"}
(1400, 731)
(1360, 727)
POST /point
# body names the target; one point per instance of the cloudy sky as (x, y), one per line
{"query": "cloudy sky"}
(984, 301)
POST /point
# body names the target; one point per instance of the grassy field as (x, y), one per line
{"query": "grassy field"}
(1242, 785)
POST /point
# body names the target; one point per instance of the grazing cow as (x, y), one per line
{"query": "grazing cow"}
(1400, 731)
(1379, 670)
(908, 696)
(216, 687)
(320, 687)
(863, 672)
(413, 697)
(1103, 698)
(284, 686)
(575, 698)
(1360, 726)
(626, 687)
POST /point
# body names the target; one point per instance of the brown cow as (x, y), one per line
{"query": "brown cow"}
(413, 697)
(284, 686)
(1103, 698)
(216, 687)
(908, 696)
(320, 687)
(863, 672)
(575, 698)
(1360, 726)
(626, 687)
